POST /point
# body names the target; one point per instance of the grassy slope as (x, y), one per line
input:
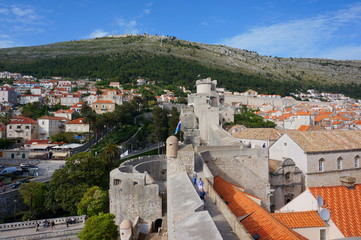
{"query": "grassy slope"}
(174, 61)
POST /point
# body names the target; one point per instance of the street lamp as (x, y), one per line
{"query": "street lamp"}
(15, 209)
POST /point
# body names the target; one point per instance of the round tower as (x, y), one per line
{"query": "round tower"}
(204, 85)
(125, 229)
(172, 146)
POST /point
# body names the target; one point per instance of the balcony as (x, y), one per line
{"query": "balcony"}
(18, 130)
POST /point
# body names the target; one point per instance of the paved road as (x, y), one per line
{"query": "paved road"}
(46, 169)
(29, 231)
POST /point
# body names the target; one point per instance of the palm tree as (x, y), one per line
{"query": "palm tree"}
(111, 153)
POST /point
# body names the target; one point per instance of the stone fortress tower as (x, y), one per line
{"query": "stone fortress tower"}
(156, 192)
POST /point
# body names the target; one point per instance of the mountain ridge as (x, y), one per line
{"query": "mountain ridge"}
(309, 71)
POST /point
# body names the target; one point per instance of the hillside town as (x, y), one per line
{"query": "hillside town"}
(298, 180)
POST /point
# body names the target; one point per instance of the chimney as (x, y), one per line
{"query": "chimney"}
(348, 181)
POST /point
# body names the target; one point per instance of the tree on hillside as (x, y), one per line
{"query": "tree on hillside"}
(34, 110)
(100, 227)
(111, 153)
(159, 126)
(93, 202)
(5, 120)
(67, 137)
(69, 183)
(251, 120)
(33, 195)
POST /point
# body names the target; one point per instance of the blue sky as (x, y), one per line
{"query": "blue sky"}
(283, 28)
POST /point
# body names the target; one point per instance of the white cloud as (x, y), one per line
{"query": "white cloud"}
(8, 44)
(128, 26)
(97, 33)
(309, 37)
(132, 25)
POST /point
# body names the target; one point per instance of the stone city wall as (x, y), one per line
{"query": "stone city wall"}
(157, 169)
(10, 201)
(245, 167)
(136, 161)
(259, 100)
(134, 194)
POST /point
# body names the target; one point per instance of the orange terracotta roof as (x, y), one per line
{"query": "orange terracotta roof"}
(65, 111)
(324, 113)
(305, 219)
(103, 101)
(53, 118)
(285, 116)
(319, 118)
(344, 206)
(23, 120)
(77, 105)
(257, 220)
(303, 114)
(77, 121)
(337, 122)
(304, 128)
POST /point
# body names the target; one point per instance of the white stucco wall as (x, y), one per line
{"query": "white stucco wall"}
(306, 202)
(284, 148)
(311, 233)
(303, 202)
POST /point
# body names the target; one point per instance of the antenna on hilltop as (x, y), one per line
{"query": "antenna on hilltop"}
(113, 31)
(161, 40)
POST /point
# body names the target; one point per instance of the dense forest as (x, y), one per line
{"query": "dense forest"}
(166, 70)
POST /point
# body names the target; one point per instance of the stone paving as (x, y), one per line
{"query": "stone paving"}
(221, 223)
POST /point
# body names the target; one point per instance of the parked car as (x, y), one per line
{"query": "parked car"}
(8, 171)
(2, 166)
(16, 184)
(25, 180)
(24, 164)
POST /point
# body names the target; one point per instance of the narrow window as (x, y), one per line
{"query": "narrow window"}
(339, 163)
(321, 165)
(357, 161)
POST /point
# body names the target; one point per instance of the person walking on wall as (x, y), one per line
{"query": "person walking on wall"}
(200, 184)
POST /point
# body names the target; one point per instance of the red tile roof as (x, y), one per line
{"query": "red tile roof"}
(77, 121)
(103, 101)
(23, 120)
(53, 118)
(344, 206)
(257, 220)
(65, 111)
(305, 219)
(304, 128)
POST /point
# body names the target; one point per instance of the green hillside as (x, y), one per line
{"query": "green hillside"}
(168, 60)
